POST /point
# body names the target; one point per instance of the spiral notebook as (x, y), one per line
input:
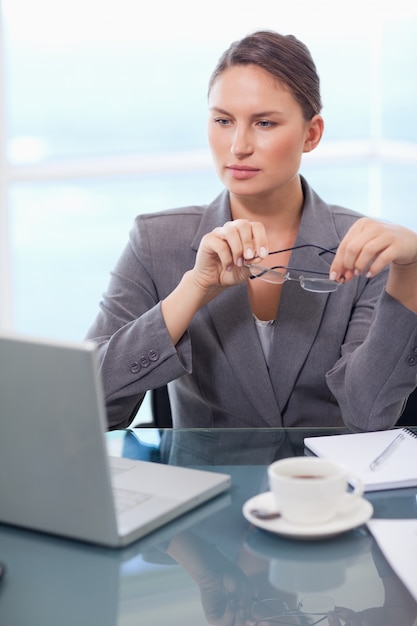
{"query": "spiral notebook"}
(385, 459)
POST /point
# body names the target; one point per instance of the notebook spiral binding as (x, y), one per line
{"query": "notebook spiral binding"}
(410, 433)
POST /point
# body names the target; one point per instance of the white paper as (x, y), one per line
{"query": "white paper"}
(397, 539)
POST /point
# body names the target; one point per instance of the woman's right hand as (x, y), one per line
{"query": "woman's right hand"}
(223, 252)
(219, 264)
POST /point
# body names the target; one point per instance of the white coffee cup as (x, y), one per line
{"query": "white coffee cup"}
(309, 490)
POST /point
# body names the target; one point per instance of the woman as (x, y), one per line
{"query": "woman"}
(191, 301)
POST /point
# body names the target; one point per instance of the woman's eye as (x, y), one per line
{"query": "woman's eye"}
(221, 121)
(265, 124)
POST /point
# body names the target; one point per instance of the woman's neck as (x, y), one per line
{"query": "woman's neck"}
(280, 213)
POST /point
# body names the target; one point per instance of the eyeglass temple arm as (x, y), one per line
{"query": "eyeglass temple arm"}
(305, 245)
(296, 269)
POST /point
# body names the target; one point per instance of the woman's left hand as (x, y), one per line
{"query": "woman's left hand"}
(370, 245)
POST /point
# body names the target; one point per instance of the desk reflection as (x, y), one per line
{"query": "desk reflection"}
(57, 582)
(216, 446)
(272, 572)
(51, 581)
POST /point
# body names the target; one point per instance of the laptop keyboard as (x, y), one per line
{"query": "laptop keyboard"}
(124, 499)
(118, 465)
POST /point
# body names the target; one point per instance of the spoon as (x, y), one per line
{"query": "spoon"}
(264, 514)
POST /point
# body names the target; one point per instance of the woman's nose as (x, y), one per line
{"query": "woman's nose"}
(241, 144)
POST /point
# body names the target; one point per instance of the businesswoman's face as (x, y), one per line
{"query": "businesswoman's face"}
(257, 131)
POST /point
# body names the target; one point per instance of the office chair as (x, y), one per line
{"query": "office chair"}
(157, 451)
(409, 415)
(161, 416)
(161, 408)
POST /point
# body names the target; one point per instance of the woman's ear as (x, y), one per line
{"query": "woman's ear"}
(315, 129)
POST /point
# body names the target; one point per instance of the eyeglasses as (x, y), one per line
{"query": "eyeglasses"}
(309, 283)
(311, 609)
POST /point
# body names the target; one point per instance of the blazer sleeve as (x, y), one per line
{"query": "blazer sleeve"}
(134, 347)
(371, 380)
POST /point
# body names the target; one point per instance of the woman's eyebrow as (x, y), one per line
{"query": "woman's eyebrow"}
(253, 116)
(220, 110)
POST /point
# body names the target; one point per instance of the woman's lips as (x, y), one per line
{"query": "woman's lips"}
(242, 172)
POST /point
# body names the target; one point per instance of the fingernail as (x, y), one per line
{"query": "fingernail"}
(357, 272)
(249, 254)
(369, 274)
(263, 252)
(333, 275)
(240, 262)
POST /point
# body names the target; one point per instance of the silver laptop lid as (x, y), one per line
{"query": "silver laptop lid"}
(53, 458)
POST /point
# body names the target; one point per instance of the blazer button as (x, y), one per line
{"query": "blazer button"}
(153, 355)
(144, 361)
(412, 359)
(135, 368)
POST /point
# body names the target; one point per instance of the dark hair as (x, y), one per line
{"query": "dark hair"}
(284, 57)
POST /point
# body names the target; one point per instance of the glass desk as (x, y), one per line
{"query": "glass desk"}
(210, 566)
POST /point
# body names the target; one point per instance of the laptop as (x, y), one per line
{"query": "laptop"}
(56, 475)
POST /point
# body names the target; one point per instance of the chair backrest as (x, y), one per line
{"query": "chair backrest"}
(161, 408)
(409, 415)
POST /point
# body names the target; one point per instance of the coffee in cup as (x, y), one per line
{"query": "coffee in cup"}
(310, 490)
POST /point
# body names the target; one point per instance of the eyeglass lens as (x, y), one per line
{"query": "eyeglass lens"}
(318, 285)
(321, 285)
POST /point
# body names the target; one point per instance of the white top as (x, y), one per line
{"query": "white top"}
(265, 332)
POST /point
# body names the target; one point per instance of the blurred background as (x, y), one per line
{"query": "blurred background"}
(103, 116)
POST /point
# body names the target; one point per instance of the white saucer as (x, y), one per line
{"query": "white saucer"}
(337, 525)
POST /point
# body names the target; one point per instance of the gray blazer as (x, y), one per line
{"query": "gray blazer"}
(346, 358)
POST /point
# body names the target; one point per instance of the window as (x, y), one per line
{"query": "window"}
(103, 116)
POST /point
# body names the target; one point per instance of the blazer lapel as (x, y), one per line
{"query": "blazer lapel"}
(233, 319)
(297, 324)
(300, 312)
